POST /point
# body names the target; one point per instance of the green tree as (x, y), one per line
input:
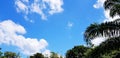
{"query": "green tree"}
(54, 55)
(0, 53)
(37, 55)
(113, 6)
(111, 30)
(10, 54)
(61, 57)
(110, 48)
(18, 55)
(77, 52)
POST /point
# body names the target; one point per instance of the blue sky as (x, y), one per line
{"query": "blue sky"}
(55, 25)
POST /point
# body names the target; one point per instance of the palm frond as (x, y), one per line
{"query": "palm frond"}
(115, 10)
(107, 29)
(113, 6)
(108, 4)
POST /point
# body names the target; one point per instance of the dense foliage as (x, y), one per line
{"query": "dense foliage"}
(37, 55)
(113, 6)
(54, 55)
(77, 52)
(110, 48)
(8, 54)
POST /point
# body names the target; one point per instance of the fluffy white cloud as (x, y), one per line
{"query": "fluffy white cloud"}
(99, 4)
(41, 7)
(12, 34)
(36, 8)
(55, 6)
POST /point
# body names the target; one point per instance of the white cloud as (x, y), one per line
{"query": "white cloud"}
(41, 7)
(99, 4)
(21, 7)
(97, 41)
(36, 8)
(12, 34)
(55, 6)
(69, 25)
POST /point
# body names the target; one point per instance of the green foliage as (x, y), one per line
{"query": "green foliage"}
(111, 30)
(61, 57)
(112, 54)
(113, 6)
(111, 47)
(105, 49)
(37, 55)
(54, 55)
(0, 53)
(10, 54)
(77, 52)
(88, 52)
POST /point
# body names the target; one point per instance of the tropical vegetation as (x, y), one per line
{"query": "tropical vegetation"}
(110, 31)
(109, 48)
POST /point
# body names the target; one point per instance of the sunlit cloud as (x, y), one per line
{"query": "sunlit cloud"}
(99, 4)
(41, 7)
(13, 34)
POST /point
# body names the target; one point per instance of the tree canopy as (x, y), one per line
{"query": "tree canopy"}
(37, 55)
(113, 6)
(76, 52)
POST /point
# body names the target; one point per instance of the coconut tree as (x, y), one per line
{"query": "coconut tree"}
(111, 30)
(113, 6)
(109, 48)
(107, 29)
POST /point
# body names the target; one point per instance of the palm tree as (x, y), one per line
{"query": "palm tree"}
(109, 48)
(107, 29)
(113, 6)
